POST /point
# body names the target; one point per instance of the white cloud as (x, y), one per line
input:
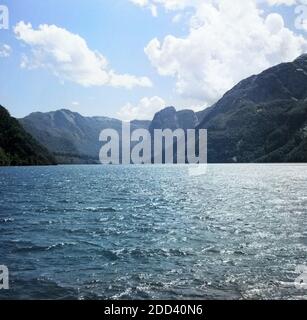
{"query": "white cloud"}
(177, 18)
(145, 109)
(5, 50)
(68, 57)
(227, 41)
(167, 4)
(183, 4)
(281, 2)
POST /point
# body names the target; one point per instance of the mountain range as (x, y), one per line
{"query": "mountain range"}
(261, 119)
(71, 137)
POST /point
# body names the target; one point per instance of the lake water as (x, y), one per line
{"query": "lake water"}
(153, 232)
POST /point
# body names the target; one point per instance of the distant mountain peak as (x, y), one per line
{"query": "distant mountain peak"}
(170, 118)
(65, 110)
(167, 109)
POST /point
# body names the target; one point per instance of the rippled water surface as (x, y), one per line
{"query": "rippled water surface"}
(152, 232)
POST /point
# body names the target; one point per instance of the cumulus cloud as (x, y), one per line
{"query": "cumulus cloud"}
(169, 5)
(68, 57)
(145, 109)
(227, 41)
(5, 50)
(282, 2)
(183, 4)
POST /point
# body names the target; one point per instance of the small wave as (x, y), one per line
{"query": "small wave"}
(145, 253)
(123, 295)
(100, 209)
(23, 246)
(211, 250)
(110, 254)
(239, 252)
(60, 245)
(7, 220)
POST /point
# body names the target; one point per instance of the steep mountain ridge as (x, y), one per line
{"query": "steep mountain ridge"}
(262, 119)
(17, 147)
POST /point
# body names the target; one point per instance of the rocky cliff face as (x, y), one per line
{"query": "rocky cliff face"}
(169, 118)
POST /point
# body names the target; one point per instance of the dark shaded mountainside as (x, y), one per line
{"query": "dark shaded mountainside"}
(17, 147)
(262, 119)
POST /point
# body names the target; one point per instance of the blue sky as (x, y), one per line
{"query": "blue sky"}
(190, 64)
